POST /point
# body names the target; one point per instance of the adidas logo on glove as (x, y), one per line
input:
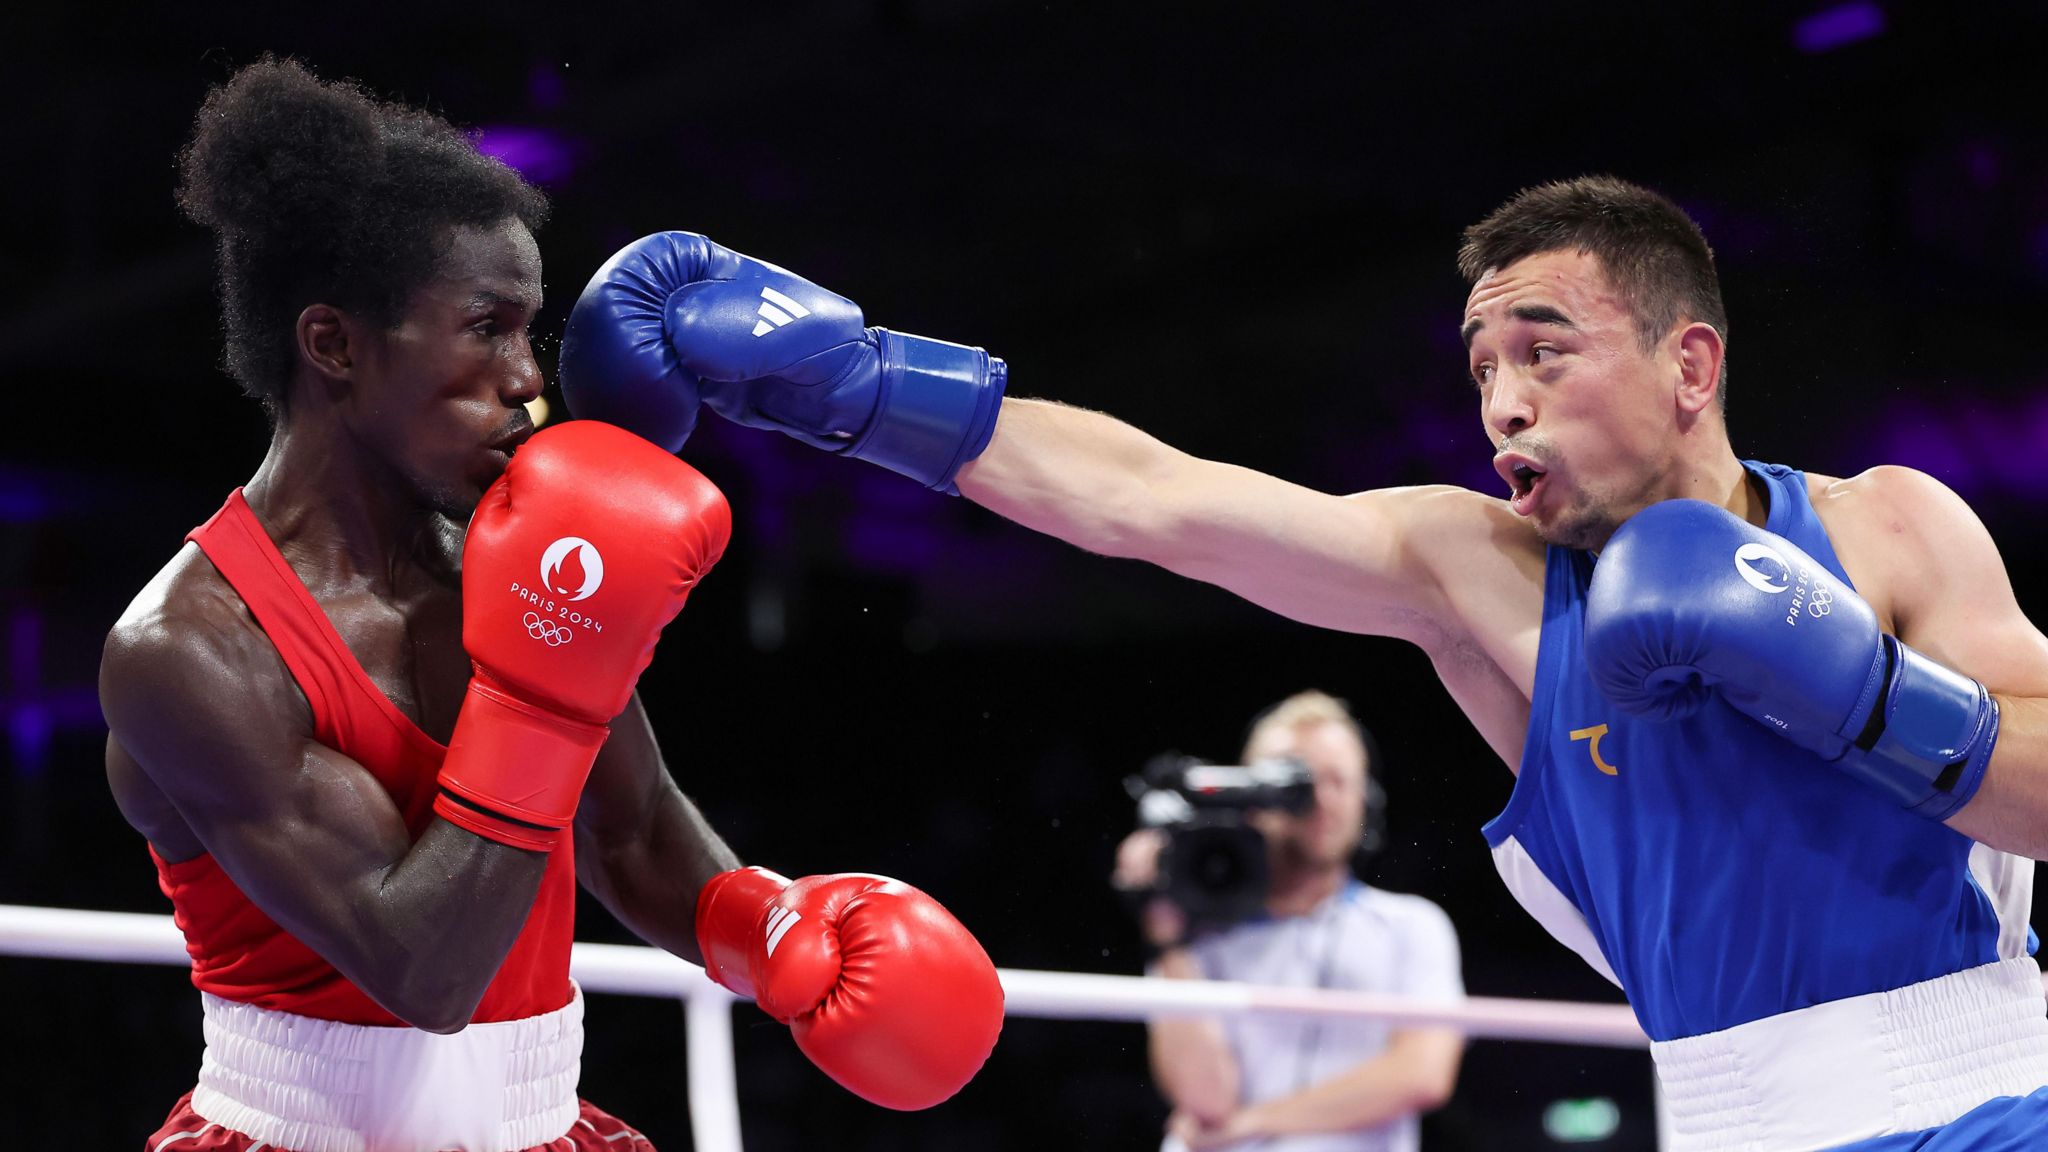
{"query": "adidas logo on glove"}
(776, 311)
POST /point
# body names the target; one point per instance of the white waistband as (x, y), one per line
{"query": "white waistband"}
(321, 1086)
(1899, 1061)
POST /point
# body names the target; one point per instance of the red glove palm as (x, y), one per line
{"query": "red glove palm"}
(883, 989)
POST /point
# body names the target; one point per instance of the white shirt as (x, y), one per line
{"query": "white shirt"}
(1360, 939)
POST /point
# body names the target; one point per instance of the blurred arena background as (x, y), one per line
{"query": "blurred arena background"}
(1230, 224)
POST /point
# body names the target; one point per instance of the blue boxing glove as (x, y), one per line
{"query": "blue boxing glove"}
(673, 318)
(1689, 602)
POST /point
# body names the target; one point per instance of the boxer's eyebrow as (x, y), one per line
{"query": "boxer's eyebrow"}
(1533, 313)
(486, 300)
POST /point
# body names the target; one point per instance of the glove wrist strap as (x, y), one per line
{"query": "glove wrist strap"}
(504, 747)
(729, 917)
(1935, 740)
(937, 410)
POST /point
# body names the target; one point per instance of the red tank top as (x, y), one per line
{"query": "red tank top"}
(241, 954)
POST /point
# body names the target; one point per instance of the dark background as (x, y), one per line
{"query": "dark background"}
(1230, 224)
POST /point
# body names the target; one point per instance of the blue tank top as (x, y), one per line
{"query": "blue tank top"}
(1718, 873)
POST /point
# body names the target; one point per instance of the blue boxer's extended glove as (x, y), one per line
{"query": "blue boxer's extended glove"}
(1689, 601)
(674, 317)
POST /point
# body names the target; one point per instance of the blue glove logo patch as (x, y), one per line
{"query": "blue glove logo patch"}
(777, 309)
(1762, 568)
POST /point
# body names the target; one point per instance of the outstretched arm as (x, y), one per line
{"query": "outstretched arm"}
(1354, 563)
(674, 319)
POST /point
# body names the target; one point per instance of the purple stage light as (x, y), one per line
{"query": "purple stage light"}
(541, 156)
(1832, 28)
(1917, 436)
(32, 711)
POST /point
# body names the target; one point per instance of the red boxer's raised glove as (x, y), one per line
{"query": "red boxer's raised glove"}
(576, 558)
(881, 986)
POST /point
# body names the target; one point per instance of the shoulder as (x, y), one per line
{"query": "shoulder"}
(1892, 516)
(1910, 544)
(1470, 546)
(1889, 497)
(186, 649)
(1448, 514)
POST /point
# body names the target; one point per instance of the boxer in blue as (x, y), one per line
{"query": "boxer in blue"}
(1780, 738)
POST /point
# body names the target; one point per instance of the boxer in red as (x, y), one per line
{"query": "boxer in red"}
(373, 751)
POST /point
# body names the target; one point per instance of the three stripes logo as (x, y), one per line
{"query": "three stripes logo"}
(776, 311)
(780, 921)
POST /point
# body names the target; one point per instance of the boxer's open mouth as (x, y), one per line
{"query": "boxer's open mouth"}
(1520, 472)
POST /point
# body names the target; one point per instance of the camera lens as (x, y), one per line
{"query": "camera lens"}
(1218, 865)
(1215, 870)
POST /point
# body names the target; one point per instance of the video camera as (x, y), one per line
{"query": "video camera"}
(1214, 864)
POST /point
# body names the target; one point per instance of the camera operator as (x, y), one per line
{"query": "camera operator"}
(1291, 1084)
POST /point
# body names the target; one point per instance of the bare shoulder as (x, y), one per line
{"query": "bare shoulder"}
(187, 664)
(1891, 515)
(1484, 567)
(1889, 498)
(1907, 540)
(1482, 557)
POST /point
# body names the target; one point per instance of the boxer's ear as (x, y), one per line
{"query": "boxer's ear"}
(324, 336)
(1700, 351)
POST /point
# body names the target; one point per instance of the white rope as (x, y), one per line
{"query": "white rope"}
(126, 937)
(129, 938)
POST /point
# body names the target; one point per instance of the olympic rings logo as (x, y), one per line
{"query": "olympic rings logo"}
(1822, 602)
(547, 631)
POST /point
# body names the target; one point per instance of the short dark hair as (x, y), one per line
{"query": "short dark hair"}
(1653, 253)
(319, 192)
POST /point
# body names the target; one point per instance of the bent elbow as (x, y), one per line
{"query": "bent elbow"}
(1432, 1096)
(438, 1019)
(440, 1011)
(1433, 1090)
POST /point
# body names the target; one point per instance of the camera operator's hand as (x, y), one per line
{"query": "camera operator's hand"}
(1160, 920)
(1137, 861)
(1196, 1135)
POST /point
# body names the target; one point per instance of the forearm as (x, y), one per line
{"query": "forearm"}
(426, 935)
(1334, 562)
(1084, 477)
(650, 880)
(2010, 809)
(1191, 1060)
(1379, 1091)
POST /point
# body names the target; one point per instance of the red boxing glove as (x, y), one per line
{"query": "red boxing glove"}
(576, 558)
(881, 986)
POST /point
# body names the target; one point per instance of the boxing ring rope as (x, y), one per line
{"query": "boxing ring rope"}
(131, 938)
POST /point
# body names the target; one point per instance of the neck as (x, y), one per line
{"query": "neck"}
(1296, 892)
(340, 515)
(1719, 480)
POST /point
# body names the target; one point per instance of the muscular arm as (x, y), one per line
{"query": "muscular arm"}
(1950, 598)
(202, 711)
(641, 847)
(1349, 563)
